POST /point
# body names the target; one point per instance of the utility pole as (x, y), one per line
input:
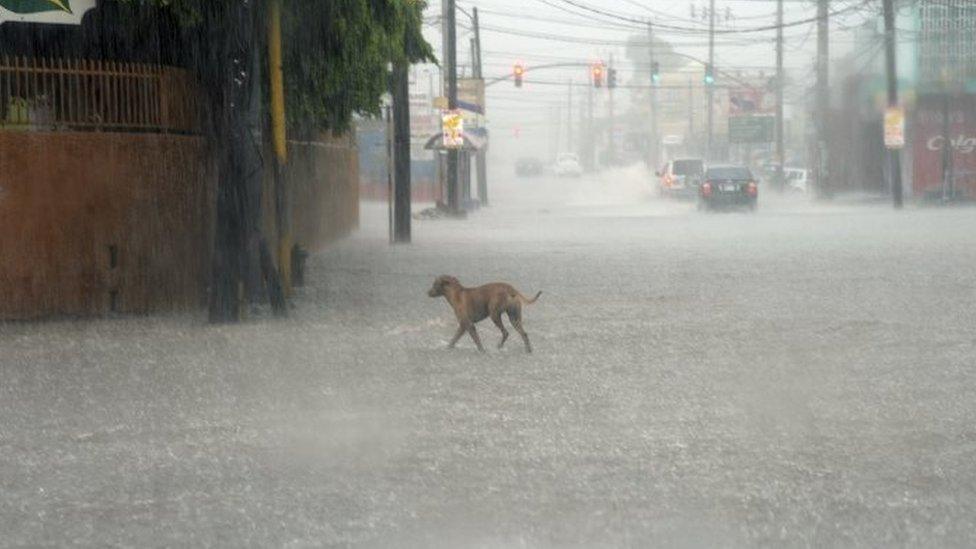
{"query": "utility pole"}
(611, 145)
(401, 152)
(569, 115)
(481, 160)
(823, 96)
(590, 140)
(711, 91)
(691, 118)
(655, 139)
(780, 153)
(894, 158)
(453, 203)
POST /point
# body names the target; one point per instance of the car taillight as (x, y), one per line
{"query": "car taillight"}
(706, 188)
(751, 188)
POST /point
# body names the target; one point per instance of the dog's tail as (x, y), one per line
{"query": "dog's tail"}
(527, 300)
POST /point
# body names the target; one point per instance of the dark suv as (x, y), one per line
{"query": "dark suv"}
(728, 186)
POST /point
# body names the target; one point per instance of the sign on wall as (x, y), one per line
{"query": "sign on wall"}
(55, 12)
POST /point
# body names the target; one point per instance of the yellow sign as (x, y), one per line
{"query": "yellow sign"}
(452, 128)
(894, 128)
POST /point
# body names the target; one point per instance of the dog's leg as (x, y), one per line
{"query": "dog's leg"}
(474, 335)
(457, 336)
(497, 319)
(515, 317)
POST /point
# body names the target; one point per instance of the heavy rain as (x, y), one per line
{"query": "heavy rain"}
(270, 273)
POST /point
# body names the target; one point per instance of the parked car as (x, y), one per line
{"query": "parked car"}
(728, 186)
(568, 164)
(681, 177)
(528, 166)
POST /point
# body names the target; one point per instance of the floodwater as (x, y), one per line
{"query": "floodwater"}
(803, 375)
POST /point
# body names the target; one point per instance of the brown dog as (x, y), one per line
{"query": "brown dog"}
(472, 305)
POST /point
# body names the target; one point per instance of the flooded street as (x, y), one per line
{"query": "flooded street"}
(802, 375)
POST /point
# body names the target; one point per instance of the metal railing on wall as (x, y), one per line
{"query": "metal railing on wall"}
(80, 94)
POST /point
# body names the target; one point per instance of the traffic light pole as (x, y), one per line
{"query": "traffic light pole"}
(780, 153)
(451, 80)
(894, 158)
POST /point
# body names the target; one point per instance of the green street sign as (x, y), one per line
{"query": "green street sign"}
(752, 129)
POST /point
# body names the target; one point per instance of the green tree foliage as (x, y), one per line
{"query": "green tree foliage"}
(336, 53)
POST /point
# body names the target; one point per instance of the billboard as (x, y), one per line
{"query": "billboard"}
(930, 139)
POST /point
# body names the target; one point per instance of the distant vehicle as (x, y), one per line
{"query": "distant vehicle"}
(568, 165)
(528, 166)
(796, 180)
(728, 186)
(681, 177)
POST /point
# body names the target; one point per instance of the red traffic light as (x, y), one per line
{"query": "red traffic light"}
(517, 71)
(597, 72)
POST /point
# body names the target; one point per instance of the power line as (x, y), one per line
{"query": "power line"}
(633, 19)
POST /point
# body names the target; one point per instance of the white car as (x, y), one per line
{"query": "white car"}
(568, 165)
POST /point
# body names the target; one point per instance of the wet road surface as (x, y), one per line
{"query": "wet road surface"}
(800, 376)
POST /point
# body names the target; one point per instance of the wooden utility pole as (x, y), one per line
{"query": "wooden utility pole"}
(401, 152)
(711, 87)
(481, 160)
(453, 202)
(894, 157)
(655, 140)
(569, 115)
(691, 119)
(611, 138)
(780, 77)
(823, 97)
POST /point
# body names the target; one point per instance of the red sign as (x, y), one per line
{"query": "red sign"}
(929, 140)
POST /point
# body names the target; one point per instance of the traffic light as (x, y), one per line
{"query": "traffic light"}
(655, 73)
(611, 78)
(709, 75)
(518, 70)
(597, 71)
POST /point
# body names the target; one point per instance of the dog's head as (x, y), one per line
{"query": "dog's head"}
(440, 283)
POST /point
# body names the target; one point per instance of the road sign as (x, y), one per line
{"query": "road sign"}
(894, 128)
(452, 128)
(751, 129)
